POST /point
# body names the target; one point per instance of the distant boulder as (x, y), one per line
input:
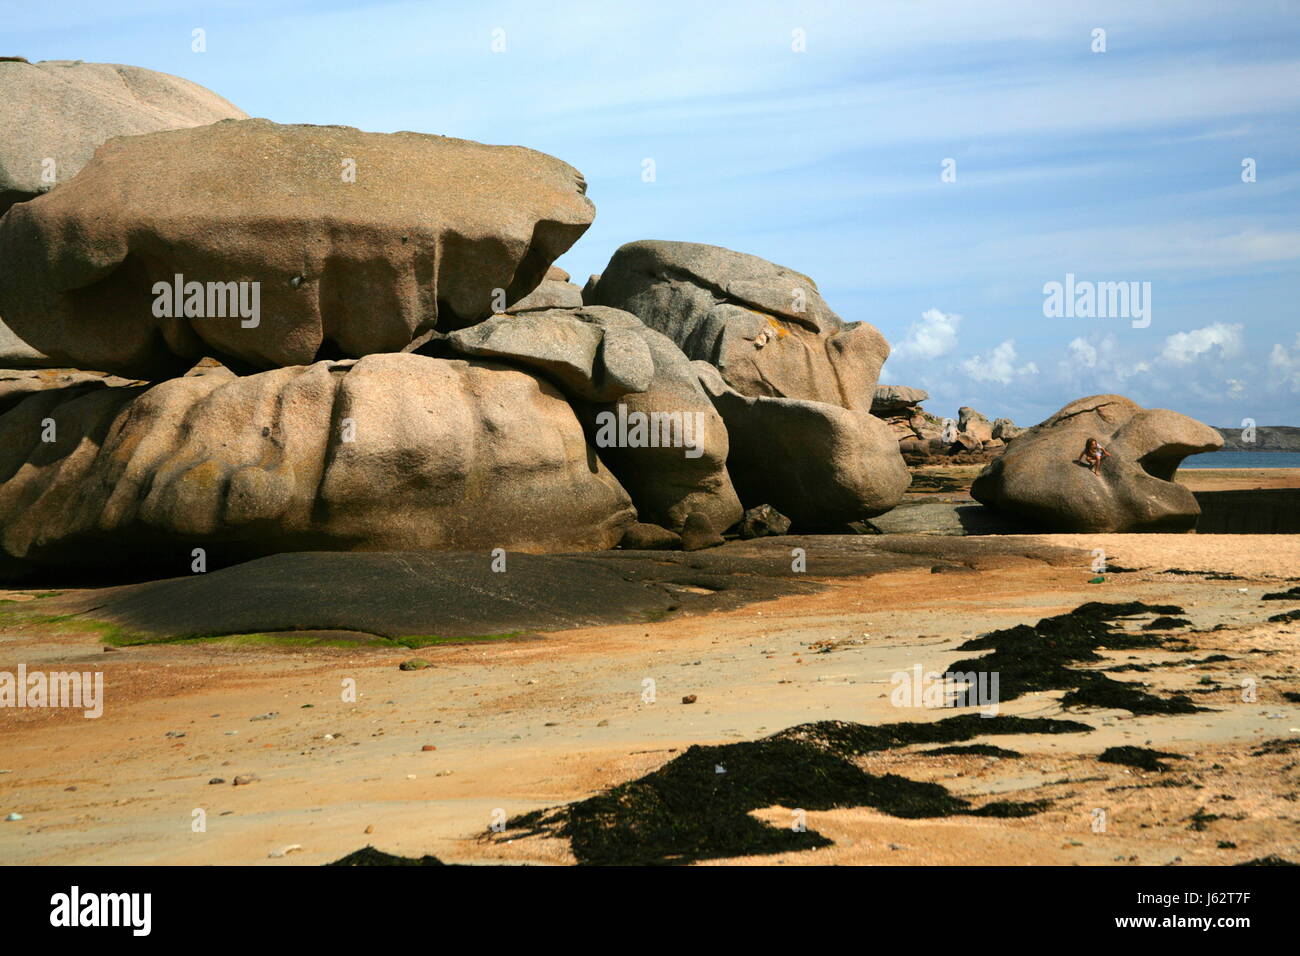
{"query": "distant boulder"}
(273, 246)
(764, 327)
(973, 426)
(1039, 477)
(896, 399)
(1005, 429)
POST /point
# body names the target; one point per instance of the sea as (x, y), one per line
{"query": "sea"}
(1244, 459)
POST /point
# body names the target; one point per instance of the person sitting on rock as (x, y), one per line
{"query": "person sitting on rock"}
(1092, 455)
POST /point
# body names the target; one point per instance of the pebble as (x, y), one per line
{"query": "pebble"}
(13, 817)
(370, 829)
(272, 715)
(689, 699)
(244, 779)
(427, 747)
(285, 851)
(415, 664)
(602, 723)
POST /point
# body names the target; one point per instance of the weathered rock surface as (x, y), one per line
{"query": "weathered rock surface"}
(636, 394)
(553, 293)
(590, 359)
(650, 537)
(764, 327)
(54, 115)
(896, 399)
(821, 465)
(426, 234)
(16, 354)
(1039, 478)
(17, 384)
(393, 451)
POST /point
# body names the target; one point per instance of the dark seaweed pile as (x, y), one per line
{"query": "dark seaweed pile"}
(697, 806)
(369, 856)
(1037, 658)
(1138, 757)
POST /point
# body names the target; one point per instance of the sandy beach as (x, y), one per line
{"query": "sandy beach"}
(425, 761)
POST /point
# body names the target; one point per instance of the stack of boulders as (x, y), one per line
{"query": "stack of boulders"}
(258, 338)
(927, 439)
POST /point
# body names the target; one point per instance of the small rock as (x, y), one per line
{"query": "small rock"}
(428, 747)
(216, 780)
(284, 851)
(698, 533)
(370, 828)
(414, 664)
(13, 817)
(174, 733)
(244, 779)
(689, 699)
(602, 723)
(649, 537)
(763, 521)
(271, 716)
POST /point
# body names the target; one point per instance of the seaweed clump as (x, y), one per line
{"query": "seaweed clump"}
(1037, 658)
(1139, 757)
(698, 806)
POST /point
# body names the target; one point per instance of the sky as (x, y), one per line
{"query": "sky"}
(932, 166)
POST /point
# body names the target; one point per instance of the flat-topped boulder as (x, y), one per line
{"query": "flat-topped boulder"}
(54, 114)
(896, 399)
(766, 328)
(391, 452)
(272, 246)
(1040, 478)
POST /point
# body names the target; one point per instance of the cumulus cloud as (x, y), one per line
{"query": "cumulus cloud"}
(1081, 354)
(934, 335)
(998, 365)
(1284, 365)
(1183, 348)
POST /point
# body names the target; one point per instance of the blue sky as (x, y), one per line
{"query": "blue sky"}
(1123, 165)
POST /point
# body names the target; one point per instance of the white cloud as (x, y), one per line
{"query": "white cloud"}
(1183, 348)
(1081, 354)
(933, 336)
(1284, 365)
(999, 365)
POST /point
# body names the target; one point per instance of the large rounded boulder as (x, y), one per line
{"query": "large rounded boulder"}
(54, 115)
(1040, 478)
(638, 398)
(270, 246)
(818, 464)
(764, 327)
(393, 452)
